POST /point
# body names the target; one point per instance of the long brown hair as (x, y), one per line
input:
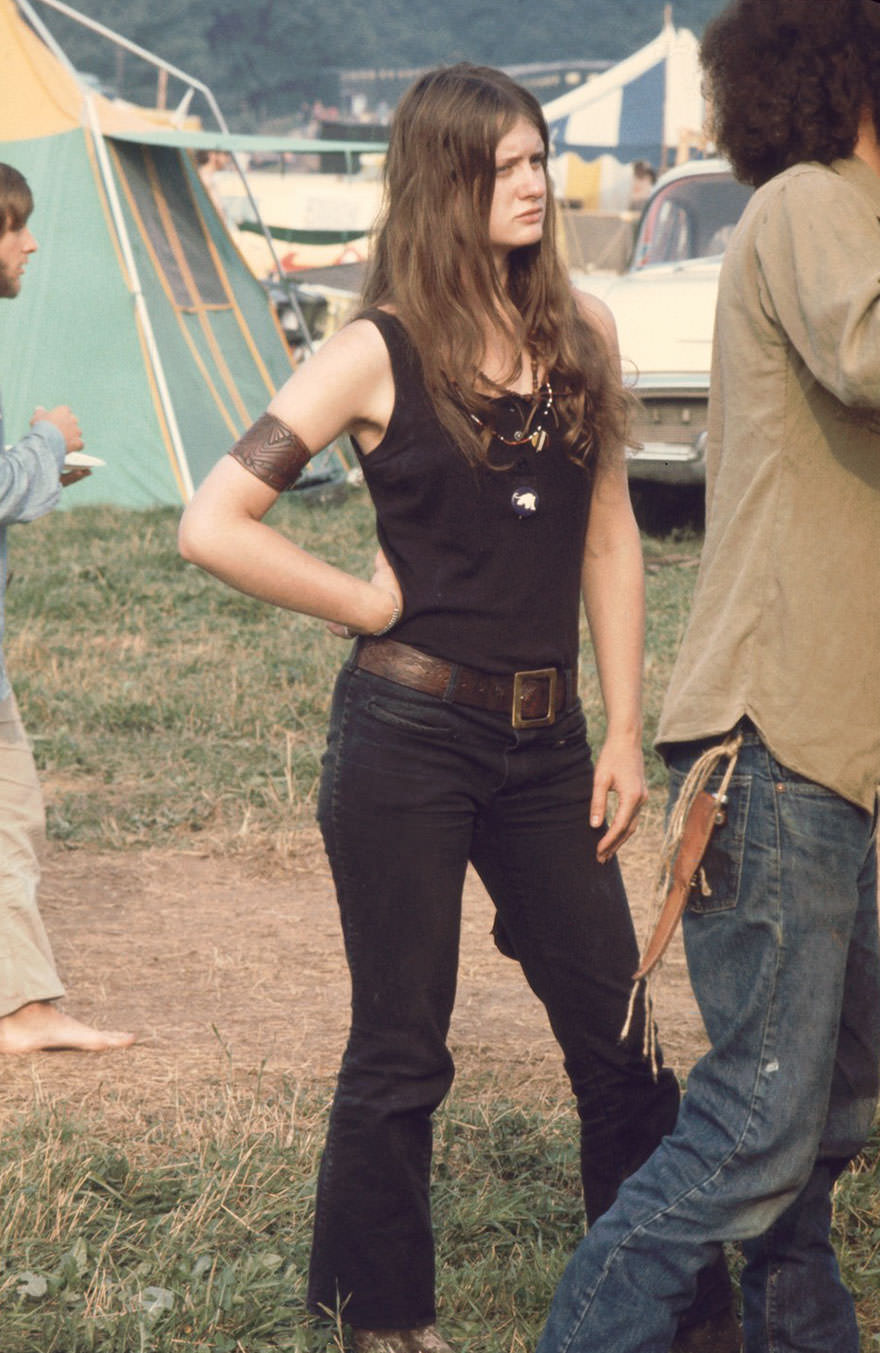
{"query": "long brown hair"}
(433, 265)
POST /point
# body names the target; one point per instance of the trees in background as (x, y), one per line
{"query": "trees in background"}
(267, 58)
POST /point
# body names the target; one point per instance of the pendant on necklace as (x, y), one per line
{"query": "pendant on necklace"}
(537, 439)
(524, 501)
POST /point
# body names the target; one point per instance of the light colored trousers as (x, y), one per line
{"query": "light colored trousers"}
(27, 969)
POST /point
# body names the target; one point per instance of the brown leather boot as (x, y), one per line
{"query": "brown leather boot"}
(427, 1339)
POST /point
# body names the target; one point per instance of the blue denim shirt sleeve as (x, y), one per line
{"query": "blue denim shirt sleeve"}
(29, 487)
(29, 473)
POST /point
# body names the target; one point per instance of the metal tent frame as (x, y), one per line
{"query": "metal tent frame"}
(227, 140)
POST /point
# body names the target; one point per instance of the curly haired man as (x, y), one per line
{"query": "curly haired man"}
(783, 651)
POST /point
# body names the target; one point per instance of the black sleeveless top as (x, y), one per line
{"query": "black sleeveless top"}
(481, 585)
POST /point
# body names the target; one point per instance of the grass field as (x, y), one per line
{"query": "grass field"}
(199, 1241)
(164, 706)
(166, 710)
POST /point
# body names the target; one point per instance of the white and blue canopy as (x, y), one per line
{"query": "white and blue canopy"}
(639, 109)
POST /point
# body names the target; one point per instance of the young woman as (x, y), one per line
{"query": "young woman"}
(486, 409)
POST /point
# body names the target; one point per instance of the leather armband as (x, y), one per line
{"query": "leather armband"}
(272, 452)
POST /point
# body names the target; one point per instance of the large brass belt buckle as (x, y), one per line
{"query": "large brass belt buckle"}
(520, 720)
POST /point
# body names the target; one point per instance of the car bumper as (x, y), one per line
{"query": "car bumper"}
(666, 464)
(669, 430)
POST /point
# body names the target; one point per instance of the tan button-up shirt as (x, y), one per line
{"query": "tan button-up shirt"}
(785, 624)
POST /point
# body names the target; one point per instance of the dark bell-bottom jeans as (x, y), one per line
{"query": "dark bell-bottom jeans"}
(413, 788)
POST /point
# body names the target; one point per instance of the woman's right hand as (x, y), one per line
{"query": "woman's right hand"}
(385, 577)
(384, 580)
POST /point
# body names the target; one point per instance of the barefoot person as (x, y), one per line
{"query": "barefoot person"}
(781, 659)
(487, 412)
(30, 483)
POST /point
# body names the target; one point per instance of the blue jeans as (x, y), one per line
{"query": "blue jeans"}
(413, 788)
(782, 947)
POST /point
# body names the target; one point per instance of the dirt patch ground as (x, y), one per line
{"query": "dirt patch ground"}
(224, 972)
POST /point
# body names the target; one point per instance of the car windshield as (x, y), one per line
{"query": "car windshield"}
(690, 218)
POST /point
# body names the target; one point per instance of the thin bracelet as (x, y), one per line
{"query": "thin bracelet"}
(395, 616)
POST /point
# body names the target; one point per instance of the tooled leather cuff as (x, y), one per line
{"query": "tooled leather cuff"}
(272, 452)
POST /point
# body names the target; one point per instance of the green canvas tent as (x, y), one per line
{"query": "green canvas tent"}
(137, 311)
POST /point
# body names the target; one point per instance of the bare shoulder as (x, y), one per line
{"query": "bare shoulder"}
(360, 342)
(353, 359)
(596, 312)
(343, 386)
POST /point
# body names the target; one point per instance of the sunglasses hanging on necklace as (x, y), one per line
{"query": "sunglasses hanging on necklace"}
(525, 500)
(541, 411)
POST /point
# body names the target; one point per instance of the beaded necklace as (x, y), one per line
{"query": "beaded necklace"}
(541, 408)
(525, 500)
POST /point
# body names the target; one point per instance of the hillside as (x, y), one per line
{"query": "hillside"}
(267, 58)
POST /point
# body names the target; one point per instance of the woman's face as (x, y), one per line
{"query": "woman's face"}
(519, 199)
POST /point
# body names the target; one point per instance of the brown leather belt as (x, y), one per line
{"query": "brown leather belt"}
(532, 699)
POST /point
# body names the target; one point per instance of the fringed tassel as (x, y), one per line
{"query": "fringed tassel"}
(649, 1037)
(670, 893)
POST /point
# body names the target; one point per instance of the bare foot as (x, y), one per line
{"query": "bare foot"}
(40, 1026)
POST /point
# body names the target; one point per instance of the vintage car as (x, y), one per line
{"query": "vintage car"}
(664, 307)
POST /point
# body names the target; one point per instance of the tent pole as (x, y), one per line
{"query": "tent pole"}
(193, 83)
(139, 299)
(134, 282)
(669, 33)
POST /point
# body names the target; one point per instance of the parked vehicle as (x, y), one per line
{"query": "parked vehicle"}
(664, 307)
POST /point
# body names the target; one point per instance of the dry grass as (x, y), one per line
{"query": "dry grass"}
(195, 1234)
(167, 711)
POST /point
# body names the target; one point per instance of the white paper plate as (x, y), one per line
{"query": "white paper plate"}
(80, 458)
